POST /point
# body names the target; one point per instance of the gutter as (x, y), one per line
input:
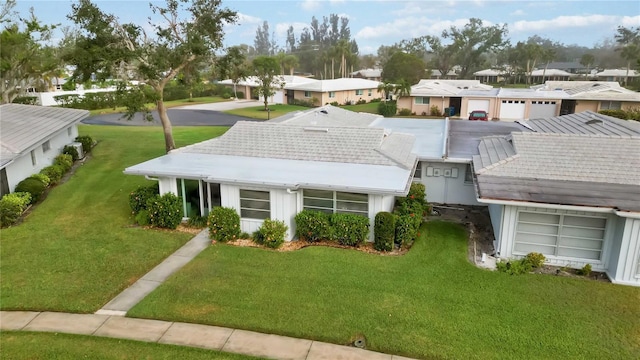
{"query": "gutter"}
(628, 214)
(549, 206)
(445, 144)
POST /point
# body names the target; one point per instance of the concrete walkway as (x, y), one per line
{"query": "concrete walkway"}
(194, 335)
(132, 295)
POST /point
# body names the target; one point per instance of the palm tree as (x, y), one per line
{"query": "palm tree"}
(587, 60)
(631, 53)
(386, 88)
(290, 62)
(546, 55)
(402, 88)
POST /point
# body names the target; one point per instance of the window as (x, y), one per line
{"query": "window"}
(610, 105)
(46, 146)
(336, 202)
(421, 100)
(307, 94)
(359, 92)
(560, 235)
(468, 175)
(418, 173)
(332, 94)
(69, 131)
(370, 92)
(255, 204)
(33, 158)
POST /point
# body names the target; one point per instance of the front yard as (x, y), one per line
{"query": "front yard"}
(77, 250)
(429, 303)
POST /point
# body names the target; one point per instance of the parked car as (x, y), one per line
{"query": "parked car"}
(479, 115)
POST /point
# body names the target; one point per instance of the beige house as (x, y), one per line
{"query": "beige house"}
(594, 95)
(342, 91)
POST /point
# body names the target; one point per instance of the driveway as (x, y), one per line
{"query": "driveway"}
(189, 115)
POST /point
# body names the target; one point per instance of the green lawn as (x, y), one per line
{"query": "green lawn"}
(368, 107)
(77, 250)
(429, 303)
(46, 346)
(168, 104)
(258, 112)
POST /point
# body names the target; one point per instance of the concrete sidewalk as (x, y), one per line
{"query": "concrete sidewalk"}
(149, 282)
(193, 335)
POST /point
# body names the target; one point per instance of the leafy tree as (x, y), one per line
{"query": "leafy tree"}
(402, 88)
(402, 66)
(444, 56)
(264, 42)
(233, 65)
(24, 61)
(289, 63)
(387, 88)
(385, 53)
(266, 69)
(368, 61)
(188, 33)
(629, 46)
(587, 60)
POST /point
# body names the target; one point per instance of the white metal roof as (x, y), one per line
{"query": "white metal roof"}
(279, 172)
(430, 135)
(335, 85)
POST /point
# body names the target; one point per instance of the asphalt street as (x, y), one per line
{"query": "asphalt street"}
(179, 117)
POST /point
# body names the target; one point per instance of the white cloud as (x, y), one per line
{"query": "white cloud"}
(281, 28)
(244, 19)
(518, 12)
(564, 22)
(310, 5)
(409, 27)
(629, 21)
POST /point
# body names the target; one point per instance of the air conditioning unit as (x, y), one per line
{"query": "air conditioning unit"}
(78, 147)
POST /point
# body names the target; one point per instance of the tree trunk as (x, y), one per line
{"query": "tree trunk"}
(333, 66)
(166, 124)
(235, 91)
(626, 78)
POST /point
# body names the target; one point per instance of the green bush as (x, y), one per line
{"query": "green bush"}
(585, 271)
(406, 231)
(387, 108)
(224, 224)
(142, 218)
(53, 172)
(384, 230)
(350, 229)
(197, 221)
(418, 192)
(27, 100)
(313, 226)
(70, 150)
(165, 211)
(435, 111)
(404, 112)
(514, 267)
(535, 259)
(32, 186)
(138, 198)
(12, 206)
(64, 160)
(245, 235)
(271, 234)
(361, 101)
(42, 177)
(86, 141)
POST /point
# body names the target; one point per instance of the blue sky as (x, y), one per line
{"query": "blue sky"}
(376, 22)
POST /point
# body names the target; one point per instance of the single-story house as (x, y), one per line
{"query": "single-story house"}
(619, 75)
(592, 96)
(569, 189)
(440, 94)
(248, 85)
(31, 137)
(566, 186)
(369, 74)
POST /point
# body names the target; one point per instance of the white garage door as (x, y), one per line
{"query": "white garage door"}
(512, 110)
(560, 235)
(542, 109)
(278, 97)
(478, 105)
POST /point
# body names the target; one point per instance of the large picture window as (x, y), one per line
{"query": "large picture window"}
(560, 235)
(336, 202)
(422, 100)
(255, 204)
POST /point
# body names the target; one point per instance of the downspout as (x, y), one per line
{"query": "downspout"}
(548, 206)
(151, 178)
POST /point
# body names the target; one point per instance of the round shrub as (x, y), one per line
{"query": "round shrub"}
(271, 234)
(42, 177)
(142, 218)
(384, 230)
(86, 141)
(70, 150)
(165, 211)
(138, 198)
(53, 172)
(64, 160)
(387, 108)
(313, 226)
(405, 230)
(535, 259)
(12, 206)
(350, 229)
(34, 187)
(224, 224)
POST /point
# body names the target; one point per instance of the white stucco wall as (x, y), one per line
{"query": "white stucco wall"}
(22, 167)
(625, 259)
(444, 183)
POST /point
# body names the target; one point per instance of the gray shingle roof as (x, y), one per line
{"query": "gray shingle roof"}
(493, 151)
(25, 126)
(587, 123)
(355, 145)
(327, 115)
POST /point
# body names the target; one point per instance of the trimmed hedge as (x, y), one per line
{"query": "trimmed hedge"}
(313, 226)
(138, 198)
(165, 211)
(384, 230)
(224, 224)
(271, 233)
(42, 178)
(32, 186)
(86, 141)
(53, 172)
(65, 161)
(350, 229)
(70, 150)
(12, 206)
(406, 231)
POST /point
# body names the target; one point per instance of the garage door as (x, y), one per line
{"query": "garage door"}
(512, 110)
(542, 109)
(478, 105)
(278, 97)
(560, 235)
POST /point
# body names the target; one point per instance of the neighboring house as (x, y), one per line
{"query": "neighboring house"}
(369, 74)
(248, 87)
(491, 76)
(592, 96)
(451, 75)
(31, 137)
(440, 94)
(619, 75)
(539, 76)
(570, 189)
(572, 67)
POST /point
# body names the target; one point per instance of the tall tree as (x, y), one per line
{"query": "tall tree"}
(233, 66)
(587, 61)
(188, 33)
(290, 62)
(266, 70)
(628, 40)
(265, 42)
(443, 56)
(291, 39)
(405, 67)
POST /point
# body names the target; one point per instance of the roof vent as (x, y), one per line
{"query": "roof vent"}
(324, 111)
(594, 121)
(313, 129)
